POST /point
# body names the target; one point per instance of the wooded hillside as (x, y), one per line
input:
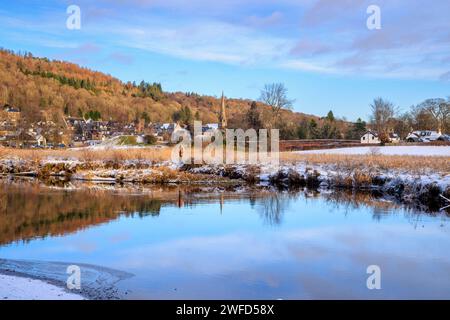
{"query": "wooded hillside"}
(50, 90)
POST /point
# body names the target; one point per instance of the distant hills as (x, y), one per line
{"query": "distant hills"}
(50, 90)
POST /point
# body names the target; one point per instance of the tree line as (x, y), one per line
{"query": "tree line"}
(385, 118)
(431, 114)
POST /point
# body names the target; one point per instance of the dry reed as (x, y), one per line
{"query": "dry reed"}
(373, 160)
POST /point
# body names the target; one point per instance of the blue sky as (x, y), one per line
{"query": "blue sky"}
(321, 49)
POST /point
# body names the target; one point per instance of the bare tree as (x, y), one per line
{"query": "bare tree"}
(383, 112)
(275, 95)
(439, 109)
(422, 119)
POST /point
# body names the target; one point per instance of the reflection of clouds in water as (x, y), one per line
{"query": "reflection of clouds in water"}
(120, 237)
(86, 247)
(314, 263)
(289, 245)
(310, 251)
(70, 246)
(320, 287)
(215, 254)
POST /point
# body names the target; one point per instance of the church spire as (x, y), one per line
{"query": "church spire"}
(223, 114)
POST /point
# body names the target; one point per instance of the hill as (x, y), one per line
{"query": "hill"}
(46, 89)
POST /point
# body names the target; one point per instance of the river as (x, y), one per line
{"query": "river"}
(231, 243)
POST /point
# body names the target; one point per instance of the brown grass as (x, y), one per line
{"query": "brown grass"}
(89, 155)
(412, 163)
(373, 160)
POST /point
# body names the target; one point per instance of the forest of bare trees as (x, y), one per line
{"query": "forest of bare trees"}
(431, 114)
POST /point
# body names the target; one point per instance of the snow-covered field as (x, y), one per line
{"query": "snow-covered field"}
(18, 288)
(443, 151)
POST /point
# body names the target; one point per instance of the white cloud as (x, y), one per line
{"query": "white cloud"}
(277, 38)
(207, 40)
(306, 66)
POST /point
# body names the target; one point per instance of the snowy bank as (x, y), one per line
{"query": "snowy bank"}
(429, 151)
(19, 288)
(27, 279)
(425, 187)
(411, 177)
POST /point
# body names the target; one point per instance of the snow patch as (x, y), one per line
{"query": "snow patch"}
(18, 288)
(442, 151)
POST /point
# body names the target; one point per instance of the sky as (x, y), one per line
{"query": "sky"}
(322, 50)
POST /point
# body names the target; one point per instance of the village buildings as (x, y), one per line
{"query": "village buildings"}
(79, 131)
(370, 137)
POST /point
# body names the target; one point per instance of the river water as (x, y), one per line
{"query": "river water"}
(208, 243)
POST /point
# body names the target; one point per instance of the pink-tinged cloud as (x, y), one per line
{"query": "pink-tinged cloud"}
(322, 12)
(86, 48)
(445, 76)
(310, 47)
(121, 58)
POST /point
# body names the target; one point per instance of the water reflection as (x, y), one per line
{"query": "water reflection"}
(230, 242)
(30, 209)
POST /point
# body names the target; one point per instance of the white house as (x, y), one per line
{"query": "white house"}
(370, 137)
(141, 139)
(211, 126)
(40, 139)
(170, 127)
(394, 138)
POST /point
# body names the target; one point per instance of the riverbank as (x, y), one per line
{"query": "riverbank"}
(421, 180)
(21, 288)
(413, 188)
(28, 280)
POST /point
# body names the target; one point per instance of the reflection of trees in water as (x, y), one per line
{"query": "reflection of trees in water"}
(252, 201)
(348, 200)
(272, 206)
(27, 212)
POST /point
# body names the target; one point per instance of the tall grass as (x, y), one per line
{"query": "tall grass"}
(373, 160)
(88, 154)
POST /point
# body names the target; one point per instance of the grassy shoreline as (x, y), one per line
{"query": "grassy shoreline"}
(160, 155)
(411, 179)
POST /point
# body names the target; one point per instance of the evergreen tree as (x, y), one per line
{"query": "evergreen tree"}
(330, 116)
(313, 129)
(184, 115)
(145, 117)
(356, 130)
(94, 115)
(302, 132)
(253, 117)
(328, 131)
